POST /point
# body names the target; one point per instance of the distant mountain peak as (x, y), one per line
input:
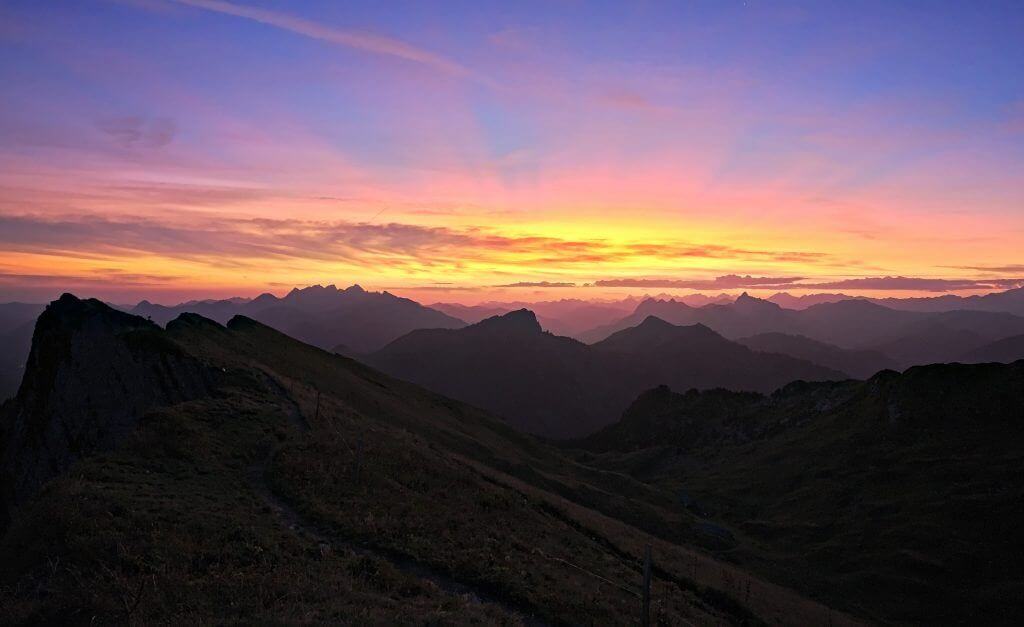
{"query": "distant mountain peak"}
(748, 303)
(355, 288)
(518, 321)
(654, 322)
(313, 289)
(265, 297)
(654, 305)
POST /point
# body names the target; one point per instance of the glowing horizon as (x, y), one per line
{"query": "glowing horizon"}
(172, 150)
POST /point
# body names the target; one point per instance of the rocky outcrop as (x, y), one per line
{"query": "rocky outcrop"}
(92, 373)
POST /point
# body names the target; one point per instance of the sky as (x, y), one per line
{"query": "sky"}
(473, 151)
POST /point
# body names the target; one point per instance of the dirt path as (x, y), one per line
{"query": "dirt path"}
(294, 521)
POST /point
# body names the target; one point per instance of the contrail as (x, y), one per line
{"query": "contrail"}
(361, 41)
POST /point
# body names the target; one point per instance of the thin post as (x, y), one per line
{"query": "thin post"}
(645, 618)
(316, 412)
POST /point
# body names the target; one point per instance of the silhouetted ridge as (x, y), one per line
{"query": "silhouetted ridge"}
(92, 373)
(859, 364)
(519, 321)
(324, 316)
(559, 387)
(69, 311)
(193, 320)
(242, 322)
(653, 322)
(852, 473)
(748, 304)
(657, 334)
(1006, 350)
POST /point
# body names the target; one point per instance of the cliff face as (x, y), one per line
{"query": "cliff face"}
(91, 375)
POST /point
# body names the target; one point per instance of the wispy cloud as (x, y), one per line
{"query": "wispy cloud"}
(235, 241)
(887, 283)
(918, 284)
(361, 41)
(537, 284)
(1015, 268)
(136, 131)
(731, 281)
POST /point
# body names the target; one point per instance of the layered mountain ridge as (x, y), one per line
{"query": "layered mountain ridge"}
(559, 387)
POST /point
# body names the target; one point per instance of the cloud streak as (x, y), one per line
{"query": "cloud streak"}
(887, 283)
(360, 41)
(731, 281)
(227, 241)
(537, 284)
(918, 284)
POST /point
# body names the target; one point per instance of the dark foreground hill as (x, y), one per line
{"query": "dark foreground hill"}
(229, 474)
(559, 387)
(898, 498)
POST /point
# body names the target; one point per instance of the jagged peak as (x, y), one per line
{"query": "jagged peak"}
(355, 288)
(653, 304)
(312, 289)
(520, 320)
(747, 302)
(746, 299)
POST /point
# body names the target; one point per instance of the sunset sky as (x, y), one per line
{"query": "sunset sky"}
(472, 151)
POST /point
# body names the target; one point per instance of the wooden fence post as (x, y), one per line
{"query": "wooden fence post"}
(645, 618)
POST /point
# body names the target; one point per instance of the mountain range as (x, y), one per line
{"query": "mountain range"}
(353, 318)
(559, 387)
(566, 317)
(906, 337)
(149, 473)
(854, 336)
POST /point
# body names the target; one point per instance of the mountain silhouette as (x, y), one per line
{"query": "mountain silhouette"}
(566, 317)
(906, 337)
(324, 316)
(1006, 350)
(541, 382)
(858, 364)
(697, 357)
(875, 483)
(559, 387)
(1008, 301)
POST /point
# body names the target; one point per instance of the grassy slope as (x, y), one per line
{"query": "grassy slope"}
(902, 503)
(379, 502)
